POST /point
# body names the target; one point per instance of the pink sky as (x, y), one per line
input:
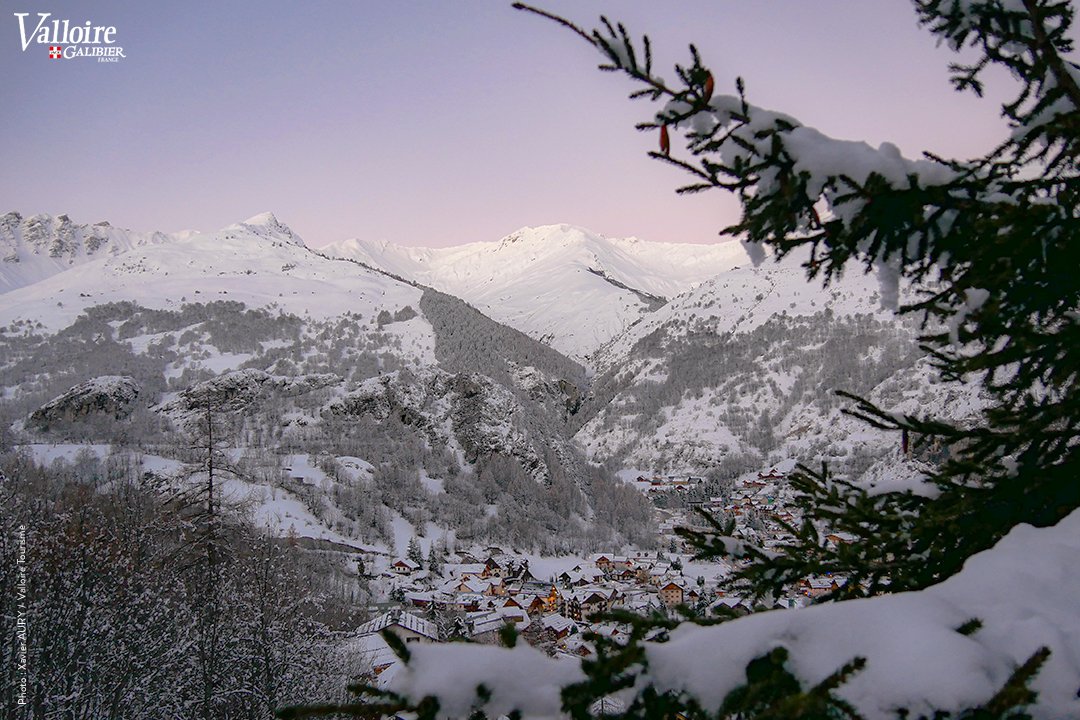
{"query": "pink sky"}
(435, 123)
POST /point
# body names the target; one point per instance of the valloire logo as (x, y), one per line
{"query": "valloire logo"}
(67, 41)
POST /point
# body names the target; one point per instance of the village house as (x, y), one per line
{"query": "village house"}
(672, 594)
(583, 604)
(839, 538)
(378, 660)
(817, 586)
(559, 625)
(485, 626)
(406, 626)
(468, 571)
(577, 646)
(492, 569)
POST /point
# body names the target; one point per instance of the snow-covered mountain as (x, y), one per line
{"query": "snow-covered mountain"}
(34, 248)
(464, 421)
(740, 373)
(259, 262)
(560, 284)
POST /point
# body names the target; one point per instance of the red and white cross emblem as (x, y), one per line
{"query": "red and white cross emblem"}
(55, 52)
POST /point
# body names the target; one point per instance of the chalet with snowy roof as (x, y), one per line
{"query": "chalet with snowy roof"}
(609, 630)
(738, 605)
(576, 645)
(404, 566)
(536, 587)
(544, 599)
(373, 653)
(515, 615)
(560, 625)
(466, 571)
(642, 601)
(465, 602)
(533, 603)
(659, 573)
(524, 575)
(489, 588)
(420, 599)
(840, 538)
(406, 626)
(485, 626)
(817, 586)
(587, 576)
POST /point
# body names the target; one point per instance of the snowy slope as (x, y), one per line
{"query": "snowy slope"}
(37, 247)
(742, 370)
(560, 284)
(742, 298)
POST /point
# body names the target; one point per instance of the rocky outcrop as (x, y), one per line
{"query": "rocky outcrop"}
(106, 396)
(239, 389)
(466, 410)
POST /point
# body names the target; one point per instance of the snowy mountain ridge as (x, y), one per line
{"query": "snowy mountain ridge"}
(741, 372)
(267, 226)
(564, 285)
(37, 247)
(260, 262)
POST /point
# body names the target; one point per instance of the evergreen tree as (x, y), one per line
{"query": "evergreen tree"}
(414, 553)
(434, 561)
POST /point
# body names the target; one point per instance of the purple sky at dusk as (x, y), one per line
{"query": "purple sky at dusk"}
(434, 123)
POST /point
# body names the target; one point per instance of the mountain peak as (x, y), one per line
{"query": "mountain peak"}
(266, 218)
(266, 225)
(547, 233)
